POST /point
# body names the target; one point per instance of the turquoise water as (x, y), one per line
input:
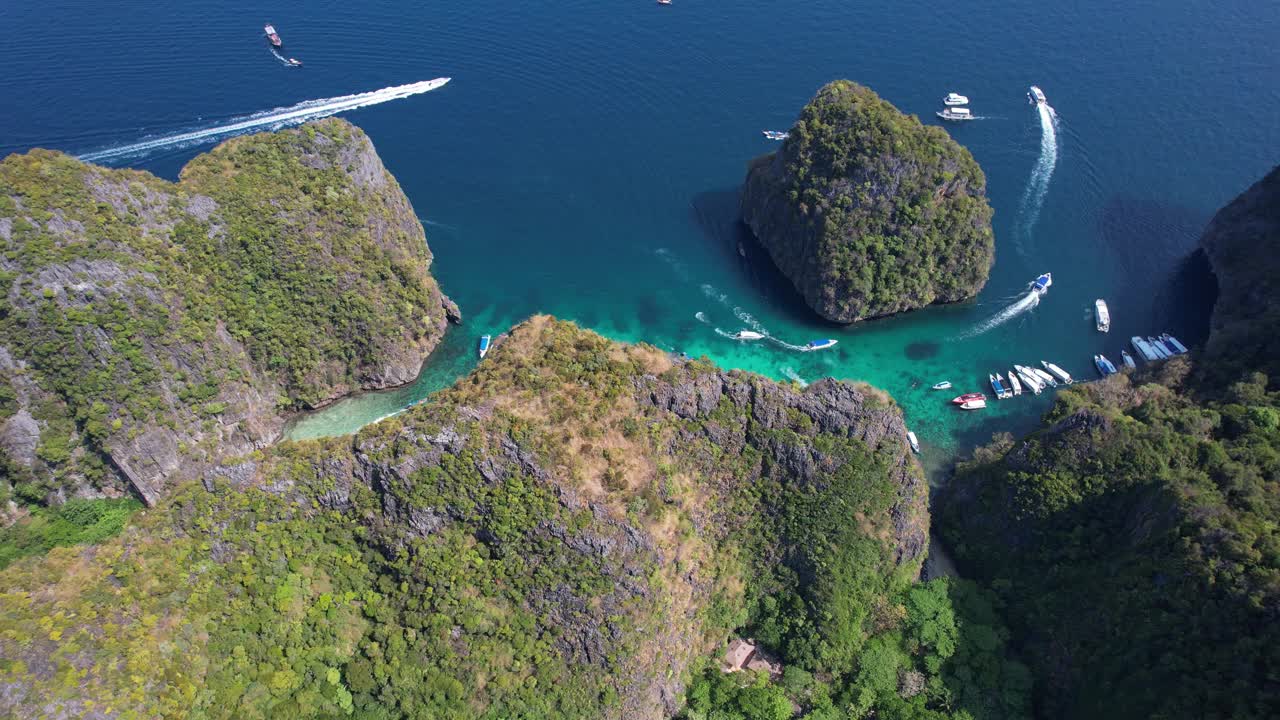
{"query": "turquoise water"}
(585, 159)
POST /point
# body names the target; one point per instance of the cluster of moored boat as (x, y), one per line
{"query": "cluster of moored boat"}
(1031, 379)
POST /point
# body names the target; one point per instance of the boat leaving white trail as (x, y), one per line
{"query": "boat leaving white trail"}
(271, 119)
(1026, 303)
(1038, 184)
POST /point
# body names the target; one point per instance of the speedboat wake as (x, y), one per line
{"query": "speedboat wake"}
(1024, 304)
(271, 119)
(1038, 183)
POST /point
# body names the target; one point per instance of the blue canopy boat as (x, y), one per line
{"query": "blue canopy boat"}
(1104, 365)
(484, 346)
(1042, 283)
(820, 344)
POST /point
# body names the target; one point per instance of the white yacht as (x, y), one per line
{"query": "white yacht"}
(915, 444)
(1045, 377)
(1036, 96)
(1102, 315)
(747, 335)
(954, 99)
(1014, 384)
(955, 114)
(1058, 372)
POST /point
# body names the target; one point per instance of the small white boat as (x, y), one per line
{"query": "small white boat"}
(1042, 283)
(1172, 343)
(973, 404)
(1036, 384)
(484, 346)
(1160, 350)
(944, 385)
(1102, 315)
(955, 114)
(1045, 377)
(822, 344)
(1057, 372)
(1014, 384)
(747, 335)
(1036, 96)
(953, 99)
(776, 135)
(1128, 360)
(997, 387)
(915, 444)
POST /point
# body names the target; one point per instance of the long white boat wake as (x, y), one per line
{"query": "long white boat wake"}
(1038, 183)
(271, 119)
(1027, 302)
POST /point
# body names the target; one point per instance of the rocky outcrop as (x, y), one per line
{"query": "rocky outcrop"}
(573, 526)
(1241, 243)
(156, 328)
(868, 212)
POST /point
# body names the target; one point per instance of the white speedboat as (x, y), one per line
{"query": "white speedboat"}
(1048, 379)
(747, 335)
(776, 135)
(1128, 360)
(1057, 372)
(820, 344)
(944, 385)
(1014, 384)
(1172, 343)
(998, 387)
(1102, 315)
(973, 404)
(484, 346)
(1104, 365)
(954, 99)
(915, 444)
(1036, 96)
(955, 114)
(1042, 283)
(1036, 384)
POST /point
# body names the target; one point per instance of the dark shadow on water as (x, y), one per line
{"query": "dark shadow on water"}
(922, 350)
(718, 214)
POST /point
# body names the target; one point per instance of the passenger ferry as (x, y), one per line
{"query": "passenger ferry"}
(953, 99)
(955, 114)
(271, 35)
(1102, 315)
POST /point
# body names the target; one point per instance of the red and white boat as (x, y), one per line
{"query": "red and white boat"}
(271, 35)
(968, 397)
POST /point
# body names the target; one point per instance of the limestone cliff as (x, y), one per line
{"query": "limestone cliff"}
(561, 534)
(152, 327)
(869, 212)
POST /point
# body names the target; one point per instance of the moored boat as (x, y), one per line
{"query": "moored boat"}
(1102, 315)
(1161, 351)
(944, 385)
(1128, 359)
(776, 135)
(1172, 343)
(1036, 96)
(1014, 384)
(1104, 365)
(820, 344)
(1042, 283)
(915, 444)
(973, 404)
(1143, 349)
(997, 387)
(955, 114)
(1045, 377)
(967, 397)
(1058, 372)
(484, 346)
(747, 335)
(1036, 384)
(954, 99)
(272, 36)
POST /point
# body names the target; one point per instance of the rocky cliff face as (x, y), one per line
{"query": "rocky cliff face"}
(868, 212)
(1240, 242)
(153, 328)
(560, 534)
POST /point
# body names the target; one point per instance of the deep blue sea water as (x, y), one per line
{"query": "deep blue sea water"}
(586, 157)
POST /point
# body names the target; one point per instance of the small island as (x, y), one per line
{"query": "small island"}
(868, 212)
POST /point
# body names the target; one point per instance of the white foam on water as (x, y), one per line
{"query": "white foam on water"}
(792, 375)
(1038, 183)
(271, 119)
(1028, 301)
(701, 317)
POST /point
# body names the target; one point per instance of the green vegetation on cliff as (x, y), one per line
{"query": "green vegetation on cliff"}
(151, 327)
(868, 211)
(1134, 538)
(572, 531)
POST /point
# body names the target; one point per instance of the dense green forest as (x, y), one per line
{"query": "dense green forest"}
(1134, 538)
(153, 326)
(868, 211)
(574, 530)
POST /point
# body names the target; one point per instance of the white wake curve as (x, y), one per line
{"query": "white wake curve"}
(1026, 303)
(1042, 173)
(275, 119)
